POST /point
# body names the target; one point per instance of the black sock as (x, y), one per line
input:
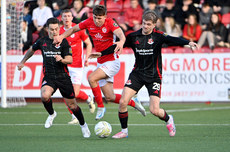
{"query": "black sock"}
(123, 116)
(166, 117)
(79, 115)
(48, 106)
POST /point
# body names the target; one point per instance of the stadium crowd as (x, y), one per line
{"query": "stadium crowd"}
(206, 22)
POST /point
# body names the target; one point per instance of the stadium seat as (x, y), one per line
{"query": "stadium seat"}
(167, 50)
(13, 52)
(114, 5)
(221, 50)
(183, 50)
(226, 19)
(203, 50)
(35, 37)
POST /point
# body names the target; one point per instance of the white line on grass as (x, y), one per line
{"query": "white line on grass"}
(118, 124)
(169, 111)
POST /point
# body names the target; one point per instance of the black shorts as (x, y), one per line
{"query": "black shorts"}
(64, 85)
(136, 81)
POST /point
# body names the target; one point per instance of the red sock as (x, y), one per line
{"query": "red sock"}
(82, 95)
(118, 97)
(68, 107)
(98, 96)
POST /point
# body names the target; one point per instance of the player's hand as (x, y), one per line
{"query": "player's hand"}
(193, 45)
(20, 66)
(95, 55)
(58, 58)
(57, 40)
(119, 47)
(86, 62)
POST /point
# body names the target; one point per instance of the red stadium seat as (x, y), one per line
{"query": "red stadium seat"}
(221, 50)
(35, 37)
(226, 19)
(203, 50)
(114, 5)
(183, 50)
(14, 52)
(167, 50)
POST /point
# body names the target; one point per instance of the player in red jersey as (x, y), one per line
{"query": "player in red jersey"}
(76, 68)
(103, 31)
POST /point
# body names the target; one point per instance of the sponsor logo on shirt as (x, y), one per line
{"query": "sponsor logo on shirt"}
(98, 36)
(92, 28)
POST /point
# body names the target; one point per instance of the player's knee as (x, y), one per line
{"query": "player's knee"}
(155, 112)
(91, 79)
(45, 97)
(123, 104)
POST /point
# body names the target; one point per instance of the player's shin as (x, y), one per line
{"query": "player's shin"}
(98, 97)
(79, 115)
(48, 106)
(165, 117)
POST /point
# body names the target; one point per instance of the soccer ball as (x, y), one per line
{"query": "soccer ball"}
(103, 129)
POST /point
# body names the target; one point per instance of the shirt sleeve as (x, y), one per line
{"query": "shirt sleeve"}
(36, 45)
(128, 41)
(177, 41)
(83, 35)
(66, 49)
(84, 24)
(112, 24)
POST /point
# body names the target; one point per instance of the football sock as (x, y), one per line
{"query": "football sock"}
(118, 97)
(82, 95)
(79, 115)
(123, 116)
(68, 107)
(48, 106)
(98, 96)
(166, 117)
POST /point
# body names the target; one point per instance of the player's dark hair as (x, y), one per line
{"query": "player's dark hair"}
(99, 10)
(150, 16)
(52, 20)
(66, 11)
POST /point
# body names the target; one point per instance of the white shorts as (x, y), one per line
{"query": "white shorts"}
(76, 75)
(111, 68)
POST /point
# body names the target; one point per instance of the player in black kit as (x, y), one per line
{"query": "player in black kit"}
(55, 60)
(146, 44)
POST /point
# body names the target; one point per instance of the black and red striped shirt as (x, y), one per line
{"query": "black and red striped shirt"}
(147, 51)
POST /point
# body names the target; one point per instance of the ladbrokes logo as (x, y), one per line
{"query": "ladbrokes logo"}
(98, 36)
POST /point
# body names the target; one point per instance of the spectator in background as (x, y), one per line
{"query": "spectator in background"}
(152, 6)
(192, 30)
(169, 10)
(183, 12)
(215, 33)
(133, 17)
(26, 15)
(205, 15)
(40, 15)
(172, 28)
(91, 3)
(160, 25)
(79, 12)
(26, 36)
(58, 6)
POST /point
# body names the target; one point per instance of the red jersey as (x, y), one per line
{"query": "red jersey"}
(76, 43)
(103, 36)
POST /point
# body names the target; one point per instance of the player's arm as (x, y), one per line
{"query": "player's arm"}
(66, 60)
(28, 54)
(58, 39)
(88, 50)
(119, 33)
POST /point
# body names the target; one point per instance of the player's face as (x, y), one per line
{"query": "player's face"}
(99, 20)
(53, 30)
(67, 18)
(147, 27)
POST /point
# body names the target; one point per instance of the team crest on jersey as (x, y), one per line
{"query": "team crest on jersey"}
(57, 46)
(72, 36)
(150, 41)
(104, 30)
(165, 34)
(115, 24)
(128, 82)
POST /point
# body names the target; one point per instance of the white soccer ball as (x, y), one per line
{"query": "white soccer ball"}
(103, 129)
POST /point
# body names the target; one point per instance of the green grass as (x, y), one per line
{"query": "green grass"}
(200, 128)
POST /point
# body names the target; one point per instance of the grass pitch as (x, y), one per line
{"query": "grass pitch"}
(200, 128)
